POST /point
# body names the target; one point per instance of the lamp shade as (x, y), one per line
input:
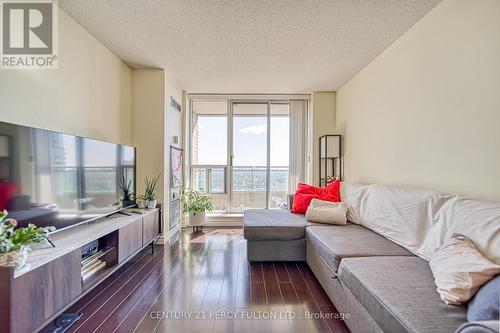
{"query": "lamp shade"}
(330, 146)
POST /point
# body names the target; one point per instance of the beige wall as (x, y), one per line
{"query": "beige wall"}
(426, 112)
(173, 127)
(153, 127)
(94, 94)
(322, 121)
(89, 95)
(148, 101)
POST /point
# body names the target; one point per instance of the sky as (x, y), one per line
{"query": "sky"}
(249, 140)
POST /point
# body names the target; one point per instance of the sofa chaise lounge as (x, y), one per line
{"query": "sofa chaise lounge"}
(375, 267)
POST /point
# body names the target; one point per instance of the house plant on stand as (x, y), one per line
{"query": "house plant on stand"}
(196, 203)
(150, 191)
(14, 243)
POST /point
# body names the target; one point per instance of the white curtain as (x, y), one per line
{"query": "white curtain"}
(298, 143)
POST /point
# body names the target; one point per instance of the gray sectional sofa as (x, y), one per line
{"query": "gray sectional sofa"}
(382, 285)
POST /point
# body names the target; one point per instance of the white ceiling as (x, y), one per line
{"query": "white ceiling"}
(253, 46)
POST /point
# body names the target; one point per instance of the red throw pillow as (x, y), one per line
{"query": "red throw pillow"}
(7, 191)
(305, 193)
(301, 202)
(308, 189)
(333, 189)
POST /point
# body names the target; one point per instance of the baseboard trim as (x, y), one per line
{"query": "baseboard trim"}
(220, 224)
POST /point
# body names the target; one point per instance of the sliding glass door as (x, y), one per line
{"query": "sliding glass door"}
(250, 155)
(239, 153)
(260, 154)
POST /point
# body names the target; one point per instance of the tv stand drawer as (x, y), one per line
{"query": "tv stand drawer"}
(150, 227)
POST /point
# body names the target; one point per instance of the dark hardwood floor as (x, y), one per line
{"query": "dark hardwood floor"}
(206, 287)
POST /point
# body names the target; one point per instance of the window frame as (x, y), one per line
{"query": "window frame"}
(228, 191)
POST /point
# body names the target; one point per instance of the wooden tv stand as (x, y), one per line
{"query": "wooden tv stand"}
(33, 296)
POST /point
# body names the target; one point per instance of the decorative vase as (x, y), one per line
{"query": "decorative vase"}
(196, 218)
(150, 204)
(141, 203)
(16, 259)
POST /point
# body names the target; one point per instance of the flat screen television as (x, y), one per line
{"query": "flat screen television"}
(55, 179)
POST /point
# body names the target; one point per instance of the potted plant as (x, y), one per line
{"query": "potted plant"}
(150, 191)
(141, 203)
(127, 195)
(14, 243)
(196, 203)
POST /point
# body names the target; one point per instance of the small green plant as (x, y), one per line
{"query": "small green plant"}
(196, 202)
(150, 186)
(12, 239)
(125, 186)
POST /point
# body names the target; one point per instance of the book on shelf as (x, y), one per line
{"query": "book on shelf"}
(95, 256)
(91, 258)
(91, 272)
(90, 266)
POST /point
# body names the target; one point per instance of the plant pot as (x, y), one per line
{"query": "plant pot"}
(141, 203)
(16, 259)
(150, 204)
(196, 218)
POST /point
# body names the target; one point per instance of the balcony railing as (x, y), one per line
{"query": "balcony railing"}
(249, 186)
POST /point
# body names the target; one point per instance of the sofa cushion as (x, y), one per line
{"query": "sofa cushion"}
(327, 212)
(399, 293)
(489, 326)
(333, 243)
(305, 193)
(274, 224)
(459, 270)
(486, 304)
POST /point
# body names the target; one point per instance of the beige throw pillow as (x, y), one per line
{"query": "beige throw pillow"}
(327, 212)
(459, 269)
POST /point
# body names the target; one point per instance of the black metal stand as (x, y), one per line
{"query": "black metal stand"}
(120, 212)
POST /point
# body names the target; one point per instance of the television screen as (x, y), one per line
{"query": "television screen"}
(55, 179)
